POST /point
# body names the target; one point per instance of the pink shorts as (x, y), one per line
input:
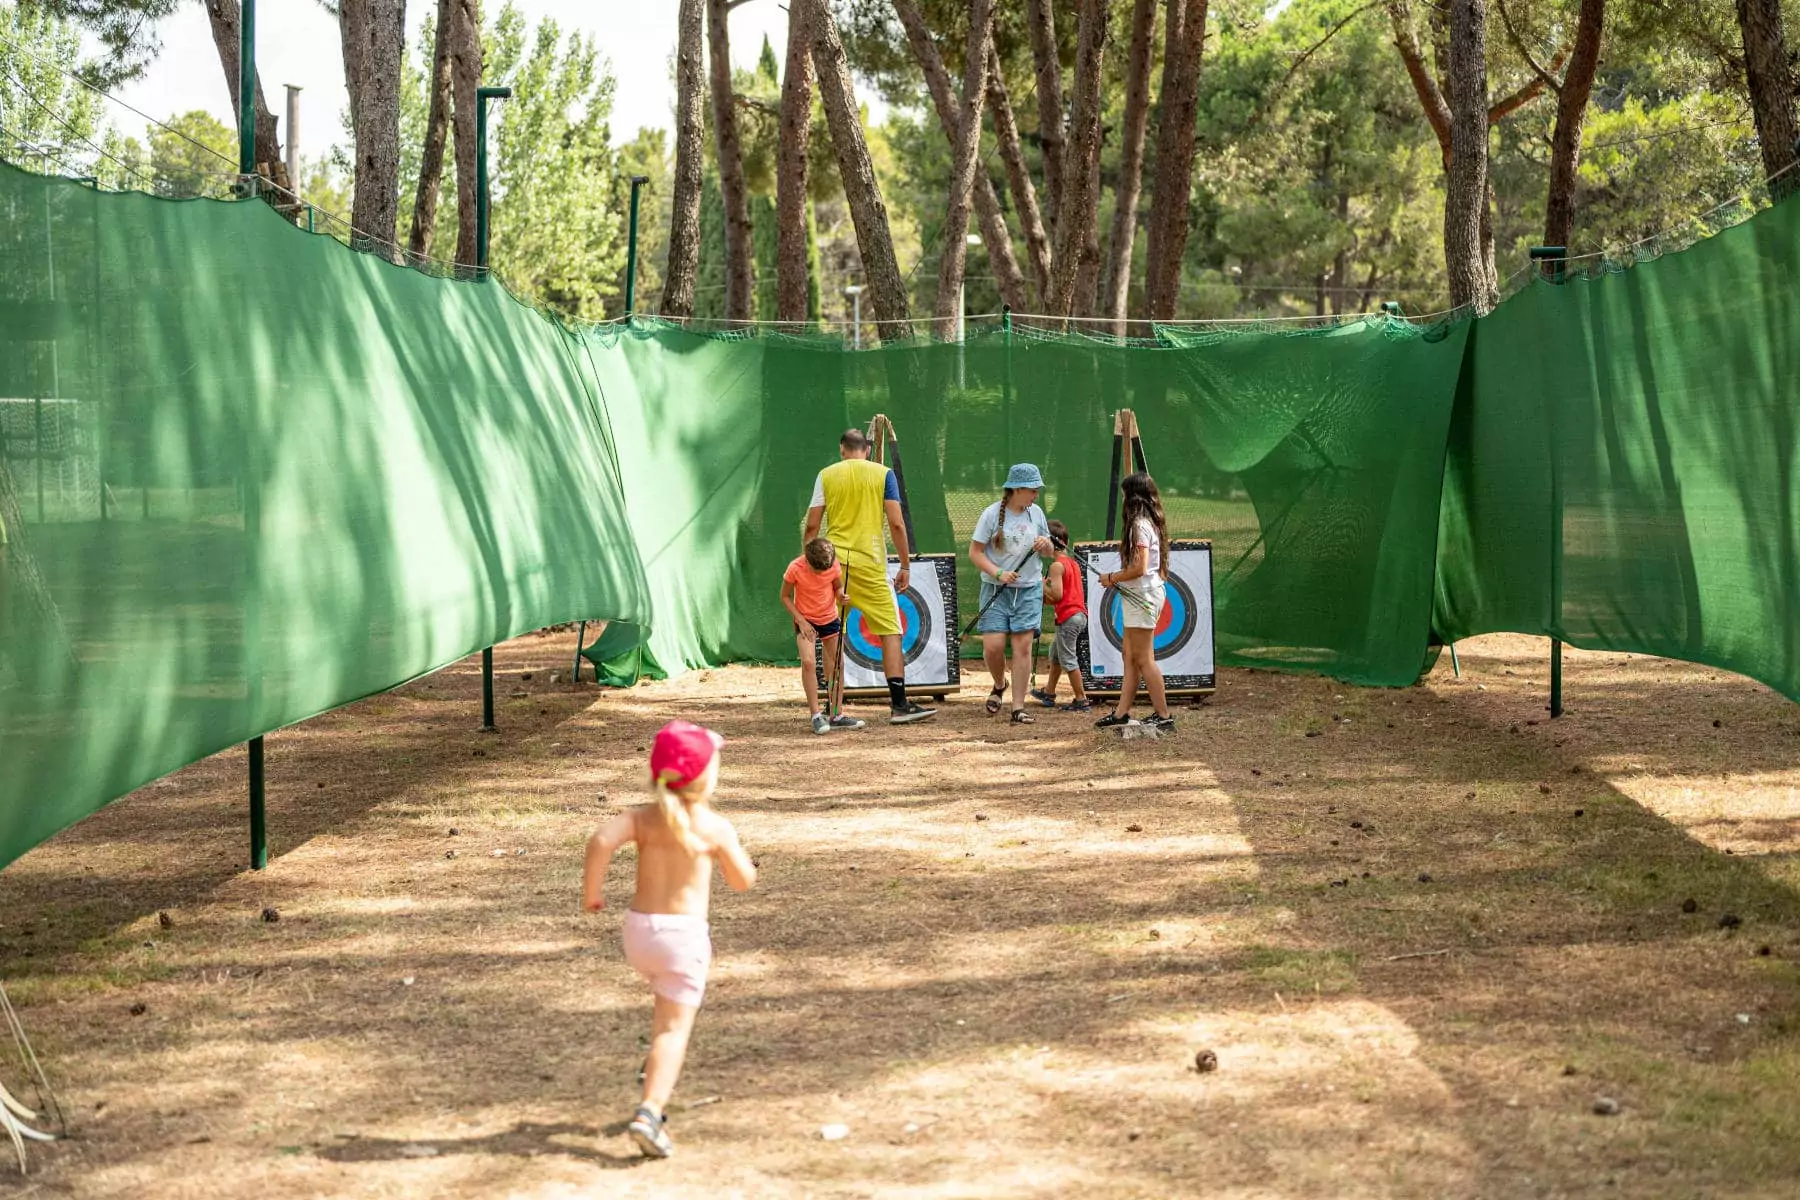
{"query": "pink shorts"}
(672, 951)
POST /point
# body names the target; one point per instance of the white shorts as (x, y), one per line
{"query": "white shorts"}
(1141, 609)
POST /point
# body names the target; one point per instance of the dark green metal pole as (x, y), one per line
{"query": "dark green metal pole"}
(1006, 390)
(482, 96)
(1553, 264)
(259, 834)
(637, 182)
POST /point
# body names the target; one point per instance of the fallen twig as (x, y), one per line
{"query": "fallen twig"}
(1419, 954)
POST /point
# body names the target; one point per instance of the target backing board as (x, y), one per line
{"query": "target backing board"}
(1184, 633)
(928, 628)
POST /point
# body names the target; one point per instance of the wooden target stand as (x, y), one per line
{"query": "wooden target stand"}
(1189, 588)
(938, 590)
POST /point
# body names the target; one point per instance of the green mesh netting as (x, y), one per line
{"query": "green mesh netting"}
(247, 475)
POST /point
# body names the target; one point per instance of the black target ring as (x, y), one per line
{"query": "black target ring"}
(1175, 628)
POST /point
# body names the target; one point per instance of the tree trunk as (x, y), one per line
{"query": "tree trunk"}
(374, 38)
(684, 205)
(431, 158)
(862, 191)
(1176, 111)
(1571, 112)
(1116, 298)
(1771, 91)
(224, 17)
(740, 265)
(1075, 227)
(795, 138)
(1041, 22)
(996, 237)
(1018, 175)
(967, 148)
(1465, 194)
(465, 77)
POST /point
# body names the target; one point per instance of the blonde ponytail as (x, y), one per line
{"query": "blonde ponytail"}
(673, 808)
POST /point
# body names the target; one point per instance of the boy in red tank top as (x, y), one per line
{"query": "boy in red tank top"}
(1062, 588)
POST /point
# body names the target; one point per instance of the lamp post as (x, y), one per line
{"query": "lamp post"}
(854, 291)
(637, 182)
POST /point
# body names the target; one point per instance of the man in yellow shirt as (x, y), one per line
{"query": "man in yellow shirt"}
(858, 503)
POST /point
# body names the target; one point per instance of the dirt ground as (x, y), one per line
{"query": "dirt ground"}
(1422, 931)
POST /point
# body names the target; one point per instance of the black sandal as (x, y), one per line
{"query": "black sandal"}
(1021, 717)
(994, 698)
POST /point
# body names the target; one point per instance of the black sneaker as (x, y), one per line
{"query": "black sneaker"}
(1112, 721)
(651, 1133)
(909, 714)
(1162, 724)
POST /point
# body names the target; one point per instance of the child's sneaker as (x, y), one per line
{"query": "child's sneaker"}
(846, 721)
(1044, 698)
(1163, 724)
(1112, 721)
(1081, 705)
(912, 712)
(820, 724)
(651, 1133)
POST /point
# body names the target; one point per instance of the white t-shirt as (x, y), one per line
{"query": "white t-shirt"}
(1018, 534)
(1145, 535)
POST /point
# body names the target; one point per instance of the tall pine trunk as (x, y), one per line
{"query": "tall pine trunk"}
(953, 254)
(437, 122)
(1080, 201)
(1571, 114)
(1771, 91)
(1177, 109)
(1040, 20)
(996, 237)
(374, 41)
(690, 128)
(1018, 175)
(465, 77)
(862, 191)
(1465, 193)
(1116, 297)
(740, 261)
(794, 141)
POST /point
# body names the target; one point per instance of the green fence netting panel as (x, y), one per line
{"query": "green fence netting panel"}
(1313, 462)
(248, 475)
(1623, 460)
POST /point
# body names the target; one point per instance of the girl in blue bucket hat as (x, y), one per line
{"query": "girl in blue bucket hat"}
(1008, 538)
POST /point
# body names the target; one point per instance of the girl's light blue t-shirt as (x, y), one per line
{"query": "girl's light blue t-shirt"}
(1019, 532)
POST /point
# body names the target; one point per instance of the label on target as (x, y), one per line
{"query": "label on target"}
(928, 625)
(1183, 637)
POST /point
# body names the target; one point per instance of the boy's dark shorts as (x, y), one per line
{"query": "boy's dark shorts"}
(830, 628)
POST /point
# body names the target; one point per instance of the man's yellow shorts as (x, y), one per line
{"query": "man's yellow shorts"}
(866, 579)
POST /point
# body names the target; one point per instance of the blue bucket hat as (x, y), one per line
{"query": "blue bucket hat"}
(1024, 475)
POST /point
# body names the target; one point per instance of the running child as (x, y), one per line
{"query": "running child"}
(812, 590)
(1062, 588)
(667, 939)
(1139, 584)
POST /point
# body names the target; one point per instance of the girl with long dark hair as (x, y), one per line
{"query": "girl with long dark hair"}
(1143, 558)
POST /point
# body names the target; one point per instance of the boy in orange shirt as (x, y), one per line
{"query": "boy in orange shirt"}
(812, 590)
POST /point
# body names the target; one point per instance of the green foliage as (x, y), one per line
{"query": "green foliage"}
(192, 155)
(48, 122)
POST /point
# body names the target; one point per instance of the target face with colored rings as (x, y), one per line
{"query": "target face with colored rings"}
(1173, 627)
(864, 648)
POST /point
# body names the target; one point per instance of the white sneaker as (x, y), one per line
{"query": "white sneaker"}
(820, 724)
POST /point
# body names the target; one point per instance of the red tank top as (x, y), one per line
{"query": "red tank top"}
(1073, 599)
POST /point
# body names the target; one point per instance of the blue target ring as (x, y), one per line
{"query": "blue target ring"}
(1174, 626)
(864, 648)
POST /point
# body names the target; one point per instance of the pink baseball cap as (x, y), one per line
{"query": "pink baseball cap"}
(681, 752)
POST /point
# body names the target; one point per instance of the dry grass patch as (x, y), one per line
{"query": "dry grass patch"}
(1420, 943)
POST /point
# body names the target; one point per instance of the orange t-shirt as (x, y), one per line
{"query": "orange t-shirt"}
(815, 592)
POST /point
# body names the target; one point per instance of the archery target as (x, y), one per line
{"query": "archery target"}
(1184, 630)
(928, 616)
